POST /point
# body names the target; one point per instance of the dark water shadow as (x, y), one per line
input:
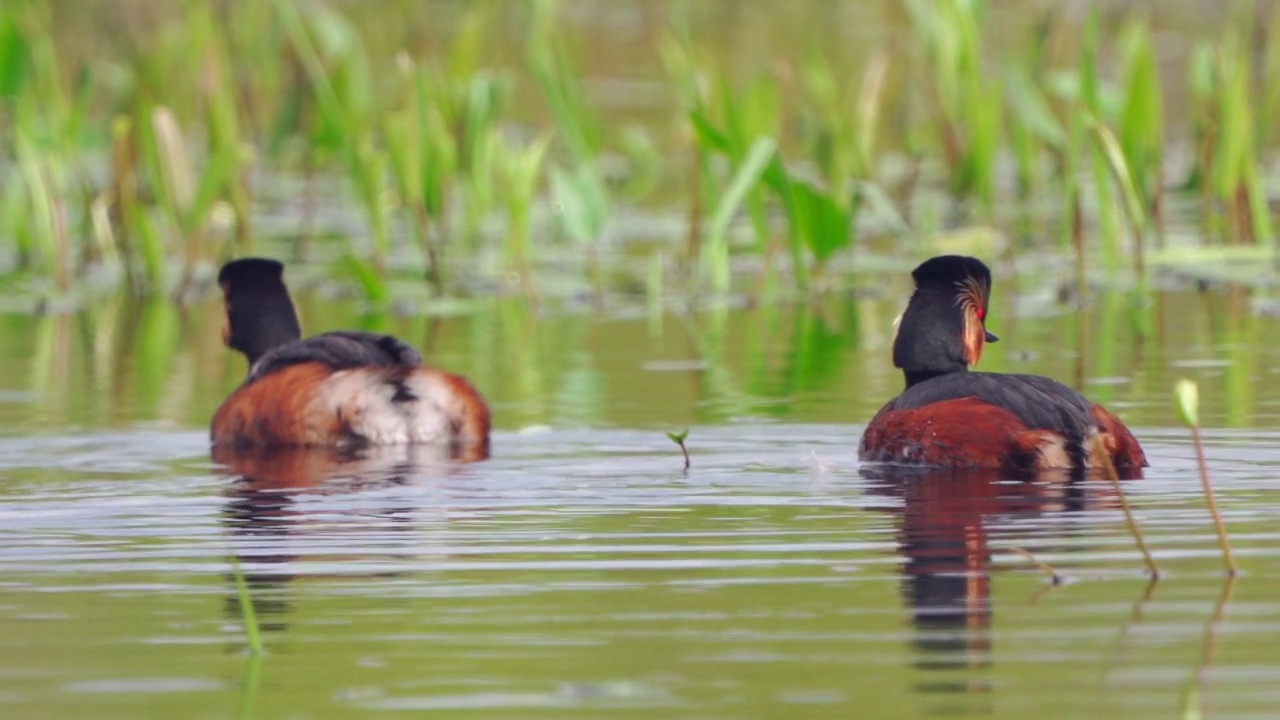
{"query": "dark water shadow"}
(948, 519)
(262, 514)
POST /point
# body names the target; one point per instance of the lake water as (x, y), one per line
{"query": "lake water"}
(582, 573)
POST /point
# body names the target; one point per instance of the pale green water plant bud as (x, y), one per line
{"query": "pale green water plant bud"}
(1186, 396)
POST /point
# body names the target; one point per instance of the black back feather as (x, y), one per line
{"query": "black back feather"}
(340, 350)
(1040, 402)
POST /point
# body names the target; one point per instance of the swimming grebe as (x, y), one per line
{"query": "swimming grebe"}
(337, 389)
(950, 417)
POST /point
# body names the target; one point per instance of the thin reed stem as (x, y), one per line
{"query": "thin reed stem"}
(1109, 469)
(1044, 567)
(1224, 541)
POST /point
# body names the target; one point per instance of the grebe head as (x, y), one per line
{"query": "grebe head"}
(943, 328)
(260, 315)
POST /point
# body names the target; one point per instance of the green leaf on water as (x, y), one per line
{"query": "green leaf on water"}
(1186, 396)
(678, 438)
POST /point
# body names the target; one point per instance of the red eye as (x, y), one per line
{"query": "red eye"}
(982, 313)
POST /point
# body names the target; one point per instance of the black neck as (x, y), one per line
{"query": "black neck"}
(919, 376)
(261, 319)
(929, 340)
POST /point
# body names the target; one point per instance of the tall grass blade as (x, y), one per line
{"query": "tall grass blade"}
(1091, 106)
(715, 261)
(1113, 152)
(1141, 134)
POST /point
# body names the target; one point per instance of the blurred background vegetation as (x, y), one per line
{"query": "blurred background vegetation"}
(428, 168)
(561, 148)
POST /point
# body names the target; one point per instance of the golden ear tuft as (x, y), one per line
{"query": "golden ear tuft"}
(973, 295)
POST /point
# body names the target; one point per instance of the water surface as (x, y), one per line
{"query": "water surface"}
(582, 572)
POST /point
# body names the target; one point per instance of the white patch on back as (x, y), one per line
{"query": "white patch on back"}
(1053, 452)
(363, 398)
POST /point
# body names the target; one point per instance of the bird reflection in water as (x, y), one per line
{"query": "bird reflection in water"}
(265, 522)
(943, 537)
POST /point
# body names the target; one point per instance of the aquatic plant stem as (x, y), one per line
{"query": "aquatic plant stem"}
(249, 686)
(1186, 395)
(1044, 567)
(248, 616)
(1125, 638)
(1077, 244)
(1208, 651)
(1223, 540)
(1109, 469)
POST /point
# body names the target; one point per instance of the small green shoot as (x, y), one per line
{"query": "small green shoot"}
(1186, 397)
(1187, 402)
(679, 438)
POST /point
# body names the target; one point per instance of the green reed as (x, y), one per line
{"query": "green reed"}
(1141, 123)
(219, 95)
(44, 121)
(819, 220)
(967, 104)
(715, 258)
(1228, 164)
(1034, 130)
(844, 127)
(424, 161)
(580, 192)
(519, 168)
(337, 64)
(843, 120)
(1125, 179)
(44, 244)
(735, 125)
(438, 138)
(1267, 126)
(1086, 117)
(137, 236)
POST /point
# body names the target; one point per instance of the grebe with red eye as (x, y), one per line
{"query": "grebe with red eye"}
(951, 417)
